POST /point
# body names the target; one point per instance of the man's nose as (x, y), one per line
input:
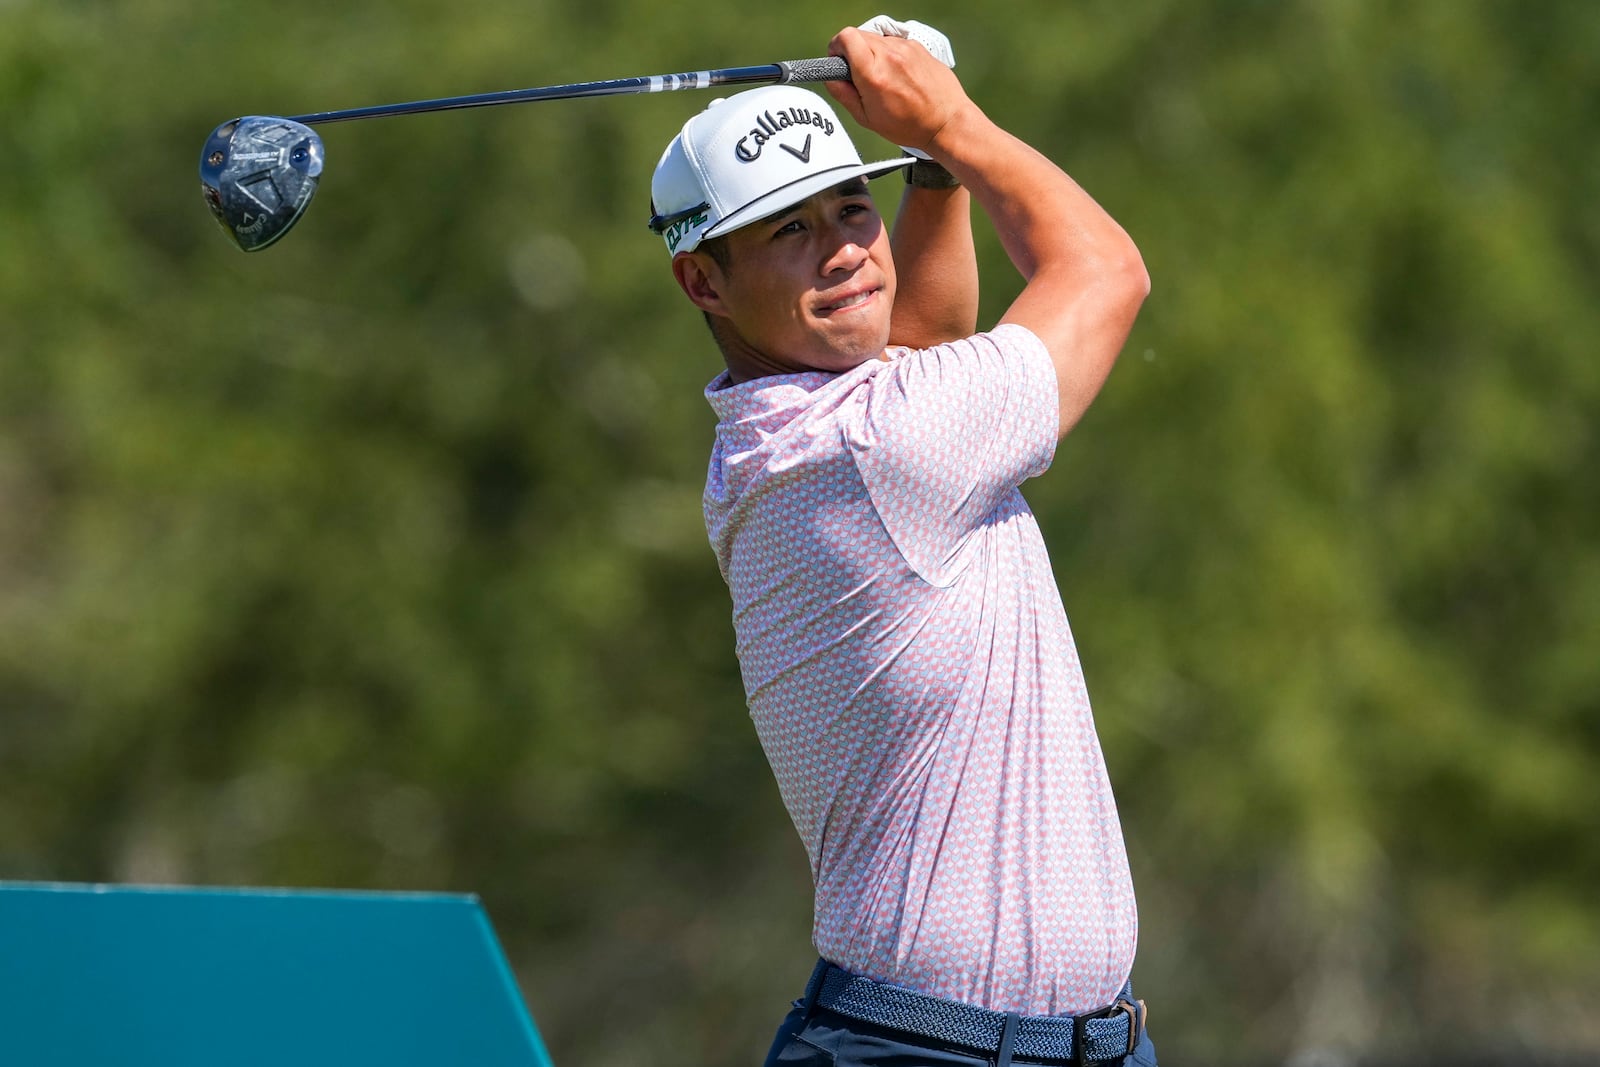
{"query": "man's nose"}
(845, 256)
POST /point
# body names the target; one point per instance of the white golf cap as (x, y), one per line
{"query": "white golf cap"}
(747, 157)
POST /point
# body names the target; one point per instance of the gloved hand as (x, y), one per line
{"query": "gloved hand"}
(937, 44)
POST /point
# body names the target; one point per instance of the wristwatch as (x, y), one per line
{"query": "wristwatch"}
(926, 174)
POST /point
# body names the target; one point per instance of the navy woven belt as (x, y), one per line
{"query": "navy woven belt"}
(1108, 1034)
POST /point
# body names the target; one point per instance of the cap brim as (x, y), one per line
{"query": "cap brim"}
(793, 193)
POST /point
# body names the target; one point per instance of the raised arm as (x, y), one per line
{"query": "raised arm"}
(936, 299)
(1084, 277)
(937, 296)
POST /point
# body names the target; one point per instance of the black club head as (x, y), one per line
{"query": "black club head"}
(257, 174)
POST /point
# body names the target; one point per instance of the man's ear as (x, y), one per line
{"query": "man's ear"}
(700, 279)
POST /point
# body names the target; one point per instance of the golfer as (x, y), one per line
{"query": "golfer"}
(904, 649)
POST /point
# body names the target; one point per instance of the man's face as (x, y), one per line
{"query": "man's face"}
(810, 288)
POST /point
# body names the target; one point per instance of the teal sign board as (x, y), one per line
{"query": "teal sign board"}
(141, 977)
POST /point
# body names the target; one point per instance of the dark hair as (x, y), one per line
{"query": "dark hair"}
(717, 248)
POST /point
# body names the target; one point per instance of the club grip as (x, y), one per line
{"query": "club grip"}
(831, 69)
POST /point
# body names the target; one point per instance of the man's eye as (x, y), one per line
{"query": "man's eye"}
(787, 228)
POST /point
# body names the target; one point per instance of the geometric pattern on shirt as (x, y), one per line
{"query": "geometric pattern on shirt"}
(912, 676)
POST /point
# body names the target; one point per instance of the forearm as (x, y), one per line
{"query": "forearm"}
(936, 296)
(1085, 277)
(1043, 218)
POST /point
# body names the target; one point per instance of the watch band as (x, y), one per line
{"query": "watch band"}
(926, 174)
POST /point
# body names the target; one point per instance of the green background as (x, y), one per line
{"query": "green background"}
(375, 560)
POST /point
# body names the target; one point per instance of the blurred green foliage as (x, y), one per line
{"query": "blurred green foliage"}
(375, 560)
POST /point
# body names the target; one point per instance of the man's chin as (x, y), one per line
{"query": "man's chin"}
(840, 362)
(865, 346)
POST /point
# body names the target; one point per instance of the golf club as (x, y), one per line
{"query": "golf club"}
(259, 172)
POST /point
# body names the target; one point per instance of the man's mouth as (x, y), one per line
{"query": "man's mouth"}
(853, 300)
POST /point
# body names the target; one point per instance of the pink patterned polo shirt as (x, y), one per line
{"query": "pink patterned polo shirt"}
(912, 677)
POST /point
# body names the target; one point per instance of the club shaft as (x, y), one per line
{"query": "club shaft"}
(800, 70)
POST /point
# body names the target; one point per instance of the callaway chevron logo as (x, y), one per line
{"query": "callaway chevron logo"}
(769, 124)
(803, 154)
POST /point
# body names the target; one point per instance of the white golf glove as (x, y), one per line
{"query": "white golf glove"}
(937, 44)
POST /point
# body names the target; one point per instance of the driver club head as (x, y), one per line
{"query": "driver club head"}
(258, 174)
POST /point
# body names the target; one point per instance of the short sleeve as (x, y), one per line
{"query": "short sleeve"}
(943, 436)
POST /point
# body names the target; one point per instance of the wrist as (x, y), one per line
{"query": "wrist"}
(958, 129)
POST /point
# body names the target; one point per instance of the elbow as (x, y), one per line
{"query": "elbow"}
(1125, 283)
(1144, 280)
(1132, 276)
